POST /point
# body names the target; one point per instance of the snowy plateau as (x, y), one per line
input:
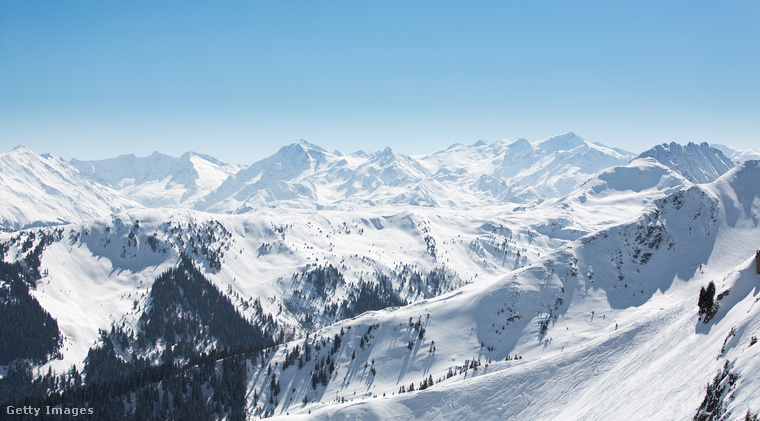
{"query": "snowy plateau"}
(518, 280)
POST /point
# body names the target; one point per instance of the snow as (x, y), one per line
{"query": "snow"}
(647, 360)
(521, 171)
(39, 190)
(737, 155)
(611, 261)
(698, 163)
(160, 180)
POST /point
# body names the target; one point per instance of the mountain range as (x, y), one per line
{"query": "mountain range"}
(504, 280)
(306, 176)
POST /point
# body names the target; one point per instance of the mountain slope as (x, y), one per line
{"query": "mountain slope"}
(303, 175)
(698, 163)
(521, 171)
(562, 309)
(566, 332)
(617, 194)
(160, 180)
(597, 321)
(737, 155)
(309, 269)
(46, 190)
(653, 366)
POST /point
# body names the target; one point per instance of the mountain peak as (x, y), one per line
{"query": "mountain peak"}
(306, 145)
(520, 144)
(698, 163)
(188, 155)
(23, 150)
(301, 150)
(387, 151)
(562, 142)
(737, 155)
(387, 156)
(21, 154)
(46, 190)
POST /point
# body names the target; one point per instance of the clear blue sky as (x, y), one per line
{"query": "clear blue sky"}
(239, 79)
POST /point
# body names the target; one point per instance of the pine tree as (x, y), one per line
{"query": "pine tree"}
(706, 301)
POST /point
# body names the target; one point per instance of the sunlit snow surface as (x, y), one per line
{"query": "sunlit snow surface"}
(45, 190)
(641, 354)
(613, 267)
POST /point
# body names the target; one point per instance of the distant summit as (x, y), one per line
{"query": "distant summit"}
(737, 155)
(46, 190)
(562, 142)
(303, 175)
(160, 180)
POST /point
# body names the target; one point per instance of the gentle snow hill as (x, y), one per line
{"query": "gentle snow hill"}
(606, 326)
(698, 163)
(615, 195)
(46, 190)
(160, 180)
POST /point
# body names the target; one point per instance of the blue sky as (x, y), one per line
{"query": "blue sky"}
(239, 79)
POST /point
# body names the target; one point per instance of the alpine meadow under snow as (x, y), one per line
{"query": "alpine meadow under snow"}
(560, 279)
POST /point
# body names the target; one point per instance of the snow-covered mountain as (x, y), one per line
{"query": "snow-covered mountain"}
(698, 163)
(303, 175)
(521, 171)
(495, 305)
(41, 190)
(160, 180)
(306, 176)
(608, 325)
(359, 286)
(615, 195)
(737, 155)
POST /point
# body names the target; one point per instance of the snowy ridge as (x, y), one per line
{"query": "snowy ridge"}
(524, 172)
(45, 190)
(737, 155)
(598, 321)
(409, 287)
(303, 175)
(698, 163)
(618, 194)
(261, 258)
(160, 180)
